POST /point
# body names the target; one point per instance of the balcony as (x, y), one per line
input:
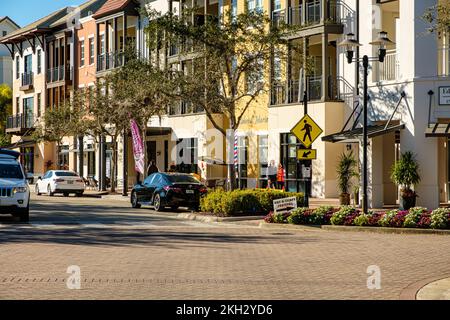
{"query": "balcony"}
(290, 92)
(310, 15)
(20, 123)
(59, 74)
(110, 61)
(26, 81)
(389, 69)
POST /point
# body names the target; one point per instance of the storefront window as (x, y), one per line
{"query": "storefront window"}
(295, 182)
(63, 158)
(242, 162)
(27, 159)
(263, 152)
(187, 155)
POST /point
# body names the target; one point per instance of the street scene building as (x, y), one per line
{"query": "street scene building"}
(408, 93)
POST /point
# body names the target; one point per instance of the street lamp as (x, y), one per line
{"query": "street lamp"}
(350, 43)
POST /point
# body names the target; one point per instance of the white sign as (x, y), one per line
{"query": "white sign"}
(444, 95)
(306, 172)
(285, 204)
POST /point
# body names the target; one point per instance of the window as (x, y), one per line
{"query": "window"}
(28, 112)
(10, 171)
(91, 51)
(4, 33)
(234, 8)
(187, 155)
(253, 5)
(39, 104)
(82, 53)
(255, 77)
(39, 61)
(263, 155)
(17, 106)
(277, 5)
(242, 149)
(102, 44)
(294, 173)
(17, 67)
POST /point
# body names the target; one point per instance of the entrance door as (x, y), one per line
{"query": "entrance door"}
(151, 151)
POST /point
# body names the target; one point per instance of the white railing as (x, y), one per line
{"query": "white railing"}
(444, 62)
(389, 69)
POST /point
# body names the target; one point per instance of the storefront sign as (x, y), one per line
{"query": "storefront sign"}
(444, 96)
(285, 204)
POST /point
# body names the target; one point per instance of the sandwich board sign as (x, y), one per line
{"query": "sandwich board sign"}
(285, 205)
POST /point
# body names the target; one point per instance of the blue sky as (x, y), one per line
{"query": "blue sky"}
(24, 12)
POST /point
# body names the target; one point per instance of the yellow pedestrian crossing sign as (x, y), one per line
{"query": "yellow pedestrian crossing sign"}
(307, 131)
(307, 154)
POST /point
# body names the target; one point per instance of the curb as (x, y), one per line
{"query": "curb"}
(410, 292)
(209, 219)
(353, 229)
(386, 230)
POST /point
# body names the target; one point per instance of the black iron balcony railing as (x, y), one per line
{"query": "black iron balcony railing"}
(59, 74)
(311, 14)
(20, 121)
(293, 90)
(27, 79)
(110, 61)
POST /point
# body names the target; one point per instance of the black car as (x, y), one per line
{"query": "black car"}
(173, 190)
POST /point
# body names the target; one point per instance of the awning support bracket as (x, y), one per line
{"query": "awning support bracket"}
(403, 96)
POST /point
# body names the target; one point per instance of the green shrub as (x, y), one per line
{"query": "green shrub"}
(413, 217)
(299, 216)
(340, 216)
(440, 218)
(278, 218)
(362, 220)
(385, 221)
(245, 202)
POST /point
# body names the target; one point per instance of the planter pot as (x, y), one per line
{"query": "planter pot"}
(407, 203)
(344, 199)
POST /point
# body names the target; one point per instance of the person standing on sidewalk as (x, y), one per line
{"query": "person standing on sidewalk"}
(271, 175)
(281, 177)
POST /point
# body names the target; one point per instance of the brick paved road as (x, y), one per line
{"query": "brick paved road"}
(135, 254)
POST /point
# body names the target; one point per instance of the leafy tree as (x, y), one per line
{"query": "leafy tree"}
(59, 122)
(231, 58)
(5, 110)
(438, 18)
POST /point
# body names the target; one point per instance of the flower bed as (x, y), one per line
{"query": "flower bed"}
(245, 202)
(417, 217)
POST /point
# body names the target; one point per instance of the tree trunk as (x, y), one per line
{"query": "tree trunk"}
(231, 175)
(113, 164)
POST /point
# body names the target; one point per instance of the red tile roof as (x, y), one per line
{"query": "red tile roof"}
(111, 6)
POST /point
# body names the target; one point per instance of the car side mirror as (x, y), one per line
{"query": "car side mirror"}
(39, 178)
(30, 177)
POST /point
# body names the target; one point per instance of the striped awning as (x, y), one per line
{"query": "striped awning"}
(438, 130)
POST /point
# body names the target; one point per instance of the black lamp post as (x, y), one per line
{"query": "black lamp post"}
(351, 43)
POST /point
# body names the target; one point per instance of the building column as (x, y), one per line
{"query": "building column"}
(325, 74)
(324, 11)
(81, 156)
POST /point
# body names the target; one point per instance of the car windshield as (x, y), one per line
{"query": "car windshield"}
(182, 178)
(65, 174)
(10, 171)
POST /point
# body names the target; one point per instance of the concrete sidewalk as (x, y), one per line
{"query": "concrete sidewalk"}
(436, 290)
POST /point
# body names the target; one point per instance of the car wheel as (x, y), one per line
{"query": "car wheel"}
(24, 214)
(134, 201)
(157, 203)
(49, 191)
(36, 190)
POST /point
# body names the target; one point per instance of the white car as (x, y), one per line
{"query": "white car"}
(60, 181)
(14, 189)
